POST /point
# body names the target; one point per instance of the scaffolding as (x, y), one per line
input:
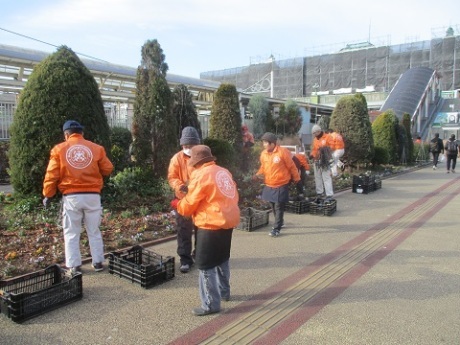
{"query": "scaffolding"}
(351, 66)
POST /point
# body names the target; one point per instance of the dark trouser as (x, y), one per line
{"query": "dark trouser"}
(453, 159)
(300, 186)
(435, 158)
(185, 229)
(278, 211)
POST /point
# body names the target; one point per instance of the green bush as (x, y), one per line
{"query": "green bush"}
(224, 152)
(134, 187)
(121, 137)
(381, 156)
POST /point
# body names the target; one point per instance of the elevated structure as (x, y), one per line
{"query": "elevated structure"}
(361, 66)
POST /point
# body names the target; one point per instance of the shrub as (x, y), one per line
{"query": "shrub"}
(381, 156)
(224, 152)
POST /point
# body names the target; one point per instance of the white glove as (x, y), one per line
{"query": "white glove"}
(307, 172)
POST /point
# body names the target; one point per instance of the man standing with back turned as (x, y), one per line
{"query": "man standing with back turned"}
(77, 167)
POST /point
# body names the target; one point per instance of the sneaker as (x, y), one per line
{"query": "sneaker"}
(75, 270)
(434, 167)
(201, 312)
(272, 233)
(98, 266)
(185, 268)
(448, 171)
(453, 171)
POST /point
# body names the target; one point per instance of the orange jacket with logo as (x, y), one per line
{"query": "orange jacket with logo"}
(337, 140)
(212, 198)
(179, 172)
(325, 140)
(76, 166)
(277, 167)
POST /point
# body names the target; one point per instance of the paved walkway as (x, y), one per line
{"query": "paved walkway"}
(384, 269)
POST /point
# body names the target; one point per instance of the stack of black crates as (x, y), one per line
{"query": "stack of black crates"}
(251, 219)
(365, 184)
(323, 207)
(297, 206)
(141, 266)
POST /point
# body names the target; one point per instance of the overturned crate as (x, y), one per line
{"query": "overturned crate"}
(323, 208)
(251, 219)
(298, 207)
(141, 266)
(33, 294)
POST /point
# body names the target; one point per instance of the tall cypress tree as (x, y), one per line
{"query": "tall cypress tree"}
(406, 122)
(384, 131)
(260, 110)
(154, 125)
(60, 88)
(185, 110)
(225, 118)
(350, 118)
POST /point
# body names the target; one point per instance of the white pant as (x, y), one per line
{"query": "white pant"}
(76, 209)
(323, 181)
(336, 156)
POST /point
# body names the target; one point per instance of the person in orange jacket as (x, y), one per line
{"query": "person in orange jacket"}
(77, 167)
(338, 149)
(301, 163)
(278, 170)
(179, 173)
(212, 202)
(321, 154)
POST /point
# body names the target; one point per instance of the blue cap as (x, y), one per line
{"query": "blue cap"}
(71, 124)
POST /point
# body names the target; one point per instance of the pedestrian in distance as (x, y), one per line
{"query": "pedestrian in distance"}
(212, 202)
(278, 170)
(248, 143)
(436, 148)
(451, 150)
(179, 172)
(321, 155)
(76, 168)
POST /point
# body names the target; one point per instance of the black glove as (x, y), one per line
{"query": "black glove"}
(311, 157)
(46, 202)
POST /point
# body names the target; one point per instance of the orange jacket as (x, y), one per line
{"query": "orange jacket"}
(277, 167)
(212, 198)
(337, 141)
(325, 140)
(76, 166)
(303, 161)
(179, 173)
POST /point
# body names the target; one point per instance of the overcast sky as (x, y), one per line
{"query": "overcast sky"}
(205, 35)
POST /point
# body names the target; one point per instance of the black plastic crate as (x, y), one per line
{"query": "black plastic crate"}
(377, 184)
(323, 208)
(363, 189)
(298, 207)
(251, 219)
(141, 266)
(363, 180)
(33, 294)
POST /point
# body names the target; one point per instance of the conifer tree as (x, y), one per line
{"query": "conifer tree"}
(60, 88)
(225, 121)
(350, 118)
(383, 129)
(185, 110)
(406, 122)
(259, 108)
(154, 125)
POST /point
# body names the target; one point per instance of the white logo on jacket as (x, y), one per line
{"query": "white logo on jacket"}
(225, 184)
(79, 156)
(276, 159)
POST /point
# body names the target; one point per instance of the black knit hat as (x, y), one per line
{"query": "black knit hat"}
(270, 137)
(190, 136)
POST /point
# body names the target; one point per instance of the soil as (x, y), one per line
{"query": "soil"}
(28, 250)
